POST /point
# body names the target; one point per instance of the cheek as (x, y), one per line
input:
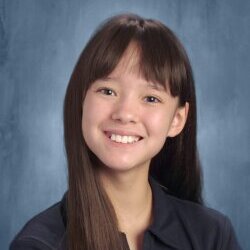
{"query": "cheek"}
(95, 103)
(159, 123)
(88, 117)
(90, 108)
(94, 112)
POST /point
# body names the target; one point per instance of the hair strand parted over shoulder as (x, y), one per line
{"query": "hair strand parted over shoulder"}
(92, 223)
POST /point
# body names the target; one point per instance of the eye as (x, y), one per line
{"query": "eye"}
(152, 99)
(106, 91)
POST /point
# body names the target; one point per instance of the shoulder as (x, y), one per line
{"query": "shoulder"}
(196, 214)
(205, 227)
(44, 231)
(187, 225)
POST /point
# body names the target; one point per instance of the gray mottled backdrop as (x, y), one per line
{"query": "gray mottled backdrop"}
(40, 41)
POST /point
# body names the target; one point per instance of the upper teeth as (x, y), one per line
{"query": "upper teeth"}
(124, 139)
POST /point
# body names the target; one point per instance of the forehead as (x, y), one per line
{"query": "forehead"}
(130, 63)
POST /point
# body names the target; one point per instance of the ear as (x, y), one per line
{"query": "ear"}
(179, 120)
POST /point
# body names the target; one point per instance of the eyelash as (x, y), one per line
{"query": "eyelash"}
(106, 90)
(156, 100)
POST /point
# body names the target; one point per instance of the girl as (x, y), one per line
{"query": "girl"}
(130, 136)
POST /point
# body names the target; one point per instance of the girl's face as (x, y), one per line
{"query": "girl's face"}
(126, 119)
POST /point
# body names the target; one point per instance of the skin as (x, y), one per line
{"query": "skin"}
(125, 103)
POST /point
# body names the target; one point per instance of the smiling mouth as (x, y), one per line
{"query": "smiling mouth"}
(125, 139)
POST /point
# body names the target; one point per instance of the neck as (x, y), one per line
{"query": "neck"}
(131, 196)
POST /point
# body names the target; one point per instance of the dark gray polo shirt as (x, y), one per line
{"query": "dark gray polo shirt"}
(177, 224)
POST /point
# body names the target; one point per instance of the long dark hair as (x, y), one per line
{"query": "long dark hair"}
(92, 223)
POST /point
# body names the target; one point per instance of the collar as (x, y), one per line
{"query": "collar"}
(167, 225)
(63, 209)
(166, 221)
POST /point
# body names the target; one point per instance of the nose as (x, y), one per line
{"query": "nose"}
(125, 111)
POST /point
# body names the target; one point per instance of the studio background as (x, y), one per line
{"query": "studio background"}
(40, 41)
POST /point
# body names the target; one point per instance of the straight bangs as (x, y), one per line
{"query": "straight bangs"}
(153, 51)
(161, 59)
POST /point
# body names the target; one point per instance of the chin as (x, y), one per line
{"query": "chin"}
(122, 166)
(118, 168)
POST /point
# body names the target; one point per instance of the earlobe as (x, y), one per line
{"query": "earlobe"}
(179, 120)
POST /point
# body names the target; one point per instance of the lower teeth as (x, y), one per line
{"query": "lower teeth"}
(122, 142)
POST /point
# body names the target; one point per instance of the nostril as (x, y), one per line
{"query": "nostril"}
(125, 116)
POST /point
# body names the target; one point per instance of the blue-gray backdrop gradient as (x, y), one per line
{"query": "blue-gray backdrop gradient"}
(40, 41)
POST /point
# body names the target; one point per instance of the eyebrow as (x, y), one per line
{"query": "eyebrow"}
(158, 86)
